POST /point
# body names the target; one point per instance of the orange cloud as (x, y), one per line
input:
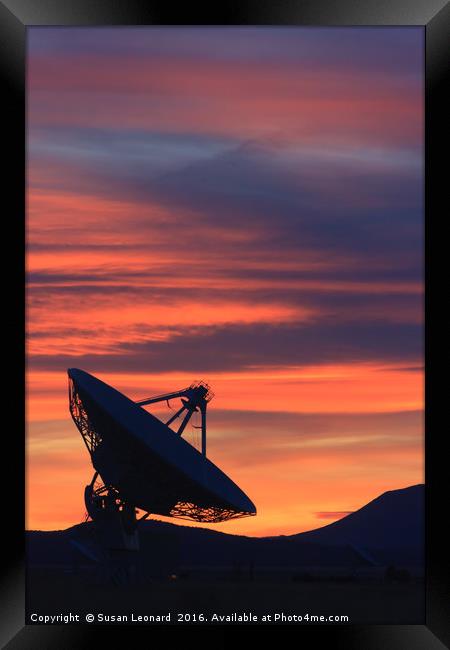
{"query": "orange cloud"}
(238, 100)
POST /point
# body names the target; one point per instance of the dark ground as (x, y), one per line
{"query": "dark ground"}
(364, 601)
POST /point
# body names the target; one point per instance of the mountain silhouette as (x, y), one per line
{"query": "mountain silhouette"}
(394, 519)
(388, 530)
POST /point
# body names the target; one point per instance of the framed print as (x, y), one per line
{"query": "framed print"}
(232, 343)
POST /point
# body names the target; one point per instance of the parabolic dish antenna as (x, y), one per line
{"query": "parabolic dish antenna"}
(145, 464)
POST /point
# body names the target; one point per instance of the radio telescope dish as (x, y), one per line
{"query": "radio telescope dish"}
(145, 464)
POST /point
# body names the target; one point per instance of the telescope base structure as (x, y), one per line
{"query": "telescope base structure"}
(114, 521)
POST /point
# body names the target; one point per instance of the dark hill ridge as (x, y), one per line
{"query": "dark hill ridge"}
(394, 519)
(388, 530)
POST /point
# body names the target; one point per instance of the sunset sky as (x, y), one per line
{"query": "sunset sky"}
(244, 206)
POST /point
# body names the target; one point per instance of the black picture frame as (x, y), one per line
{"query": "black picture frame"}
(434, 16)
